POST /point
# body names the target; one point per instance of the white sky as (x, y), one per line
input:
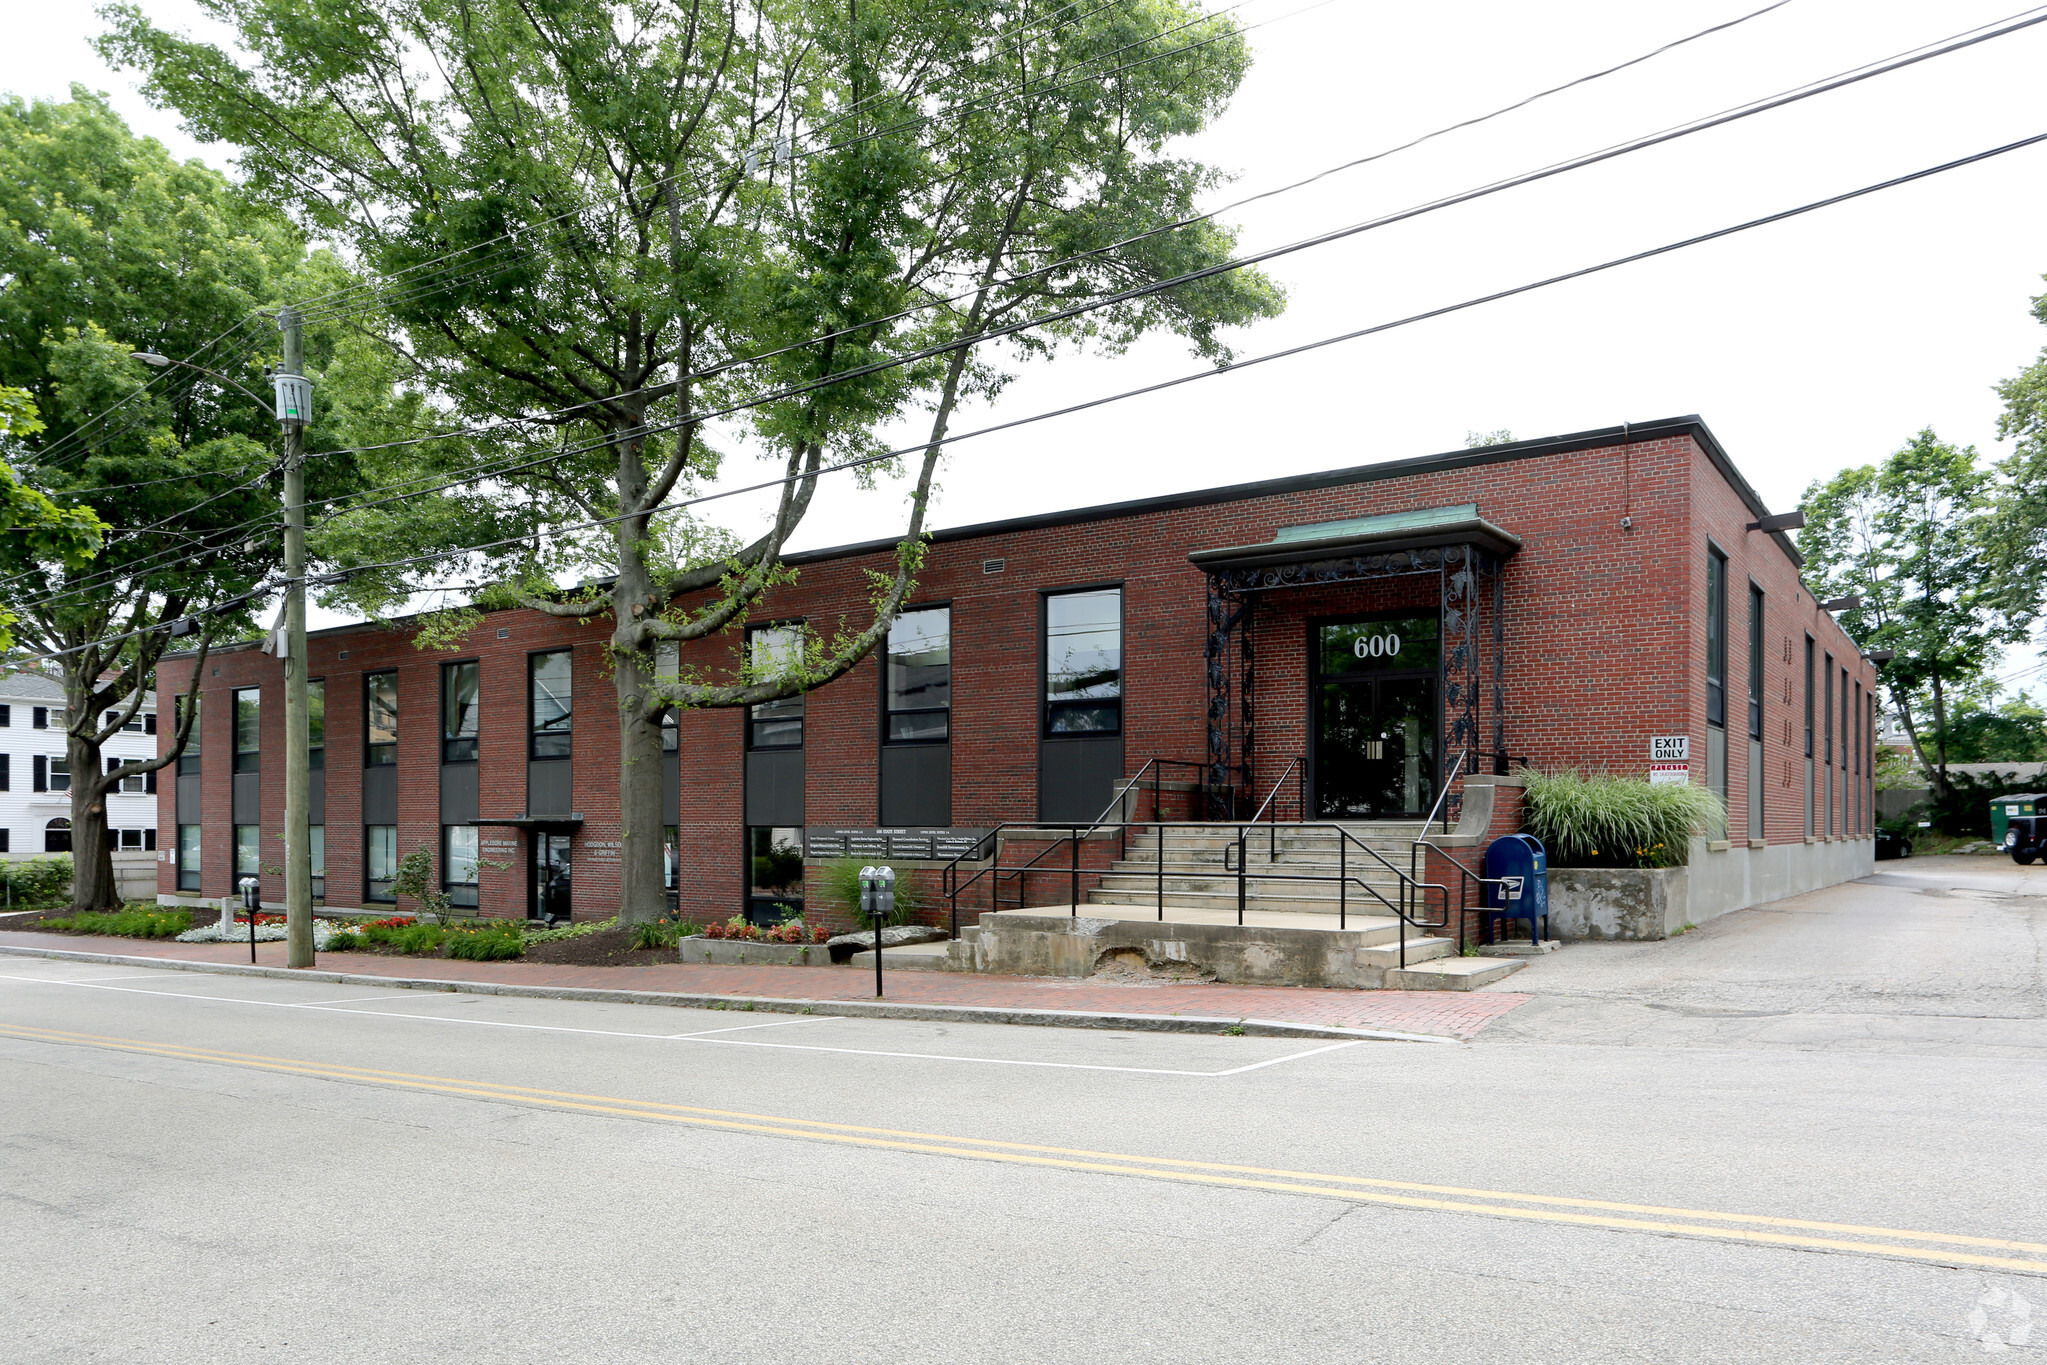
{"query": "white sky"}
(1807, 347)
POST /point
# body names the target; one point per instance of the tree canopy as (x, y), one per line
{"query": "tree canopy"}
(656, 234)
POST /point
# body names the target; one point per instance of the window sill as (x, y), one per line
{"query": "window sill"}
(1759, 843)
(1717, 845)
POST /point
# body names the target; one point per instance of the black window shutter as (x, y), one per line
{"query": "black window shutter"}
(40, 718)
(3, 770)
(112, 763)
(42, 782)
(148, 722)
(148, 781)
(6, 714)
(4, 832)
(149, 835)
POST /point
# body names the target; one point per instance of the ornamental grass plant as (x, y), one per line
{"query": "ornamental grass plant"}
(1605, 820)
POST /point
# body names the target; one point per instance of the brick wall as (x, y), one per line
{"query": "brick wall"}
(1604, 626)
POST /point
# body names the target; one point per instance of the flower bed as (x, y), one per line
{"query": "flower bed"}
(788, 931)
(133, 922)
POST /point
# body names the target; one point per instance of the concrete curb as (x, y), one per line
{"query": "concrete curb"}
(849, 1009)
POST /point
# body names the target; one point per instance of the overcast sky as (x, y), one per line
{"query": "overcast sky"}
(1807, 347)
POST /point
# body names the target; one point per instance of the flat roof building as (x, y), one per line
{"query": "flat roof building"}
(1344, 646)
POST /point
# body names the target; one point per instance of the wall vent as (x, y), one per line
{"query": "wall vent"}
(994, 565)
(504, 632)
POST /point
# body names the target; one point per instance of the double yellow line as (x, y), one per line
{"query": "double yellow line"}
(1758, 1229)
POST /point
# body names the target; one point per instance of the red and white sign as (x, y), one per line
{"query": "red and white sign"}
(1659, 773)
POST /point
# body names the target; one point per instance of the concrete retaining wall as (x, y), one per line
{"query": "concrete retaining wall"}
(1056, 945)
(1655, 903)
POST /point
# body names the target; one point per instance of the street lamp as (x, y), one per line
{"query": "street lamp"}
(294, 395)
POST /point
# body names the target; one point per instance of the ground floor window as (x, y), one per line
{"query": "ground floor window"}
(57, 836)
(774, 872)
(458, 865)
(671, 857)
(134, 838)
(188, 857)
(248, 851)
(380, 861)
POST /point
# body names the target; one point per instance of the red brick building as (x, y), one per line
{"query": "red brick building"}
(1599, 600)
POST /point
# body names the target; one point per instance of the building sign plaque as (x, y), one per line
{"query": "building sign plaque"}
(1660, 773)
(1670, 749)
(821, 841)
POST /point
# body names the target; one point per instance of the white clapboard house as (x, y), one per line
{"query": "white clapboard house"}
(35, 776)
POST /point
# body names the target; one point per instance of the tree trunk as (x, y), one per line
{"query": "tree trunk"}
(92, 862)
(642, 889)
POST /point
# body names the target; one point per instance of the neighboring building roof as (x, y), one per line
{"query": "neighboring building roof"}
(2028, 769)
(30, 686)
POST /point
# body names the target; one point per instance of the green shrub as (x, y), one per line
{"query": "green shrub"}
(663, 932)
(837, 884)
(569, 931)
(131, 923)
(29, 883)
(416, 938)
(1603, 820)
(487, 943)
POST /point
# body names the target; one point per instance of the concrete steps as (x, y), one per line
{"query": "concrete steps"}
(1453, 973)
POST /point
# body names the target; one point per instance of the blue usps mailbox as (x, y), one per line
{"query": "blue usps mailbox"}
(1517, 877)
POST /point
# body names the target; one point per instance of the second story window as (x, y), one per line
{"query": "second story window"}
(1084, 662)
(316, 723)
(188, 758)
(775, 724)
(919, 676)
(550, 696)
(248, 729)
(380, 719)
(1716, 638)
(1755, 662)
(459, 684)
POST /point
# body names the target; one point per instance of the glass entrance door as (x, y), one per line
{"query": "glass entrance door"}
(550, 875)
(1373, 753)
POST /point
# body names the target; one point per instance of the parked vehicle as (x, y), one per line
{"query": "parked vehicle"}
(2025, 838)
(1891, 844)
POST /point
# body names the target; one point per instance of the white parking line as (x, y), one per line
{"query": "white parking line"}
(741, 1028)
(706, 1037)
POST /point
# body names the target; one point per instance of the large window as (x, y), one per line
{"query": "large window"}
(248, 702)
(459, 700)
(775, 724)
(380, 861)
(58, 778)
(188, 857)
(1810, 828)
(380, 719)
(919, 676)
(458, 865)
(1084, 662)
(188, 757)
(1716, 638)
(248, 852)
(774, 872)
(316, 723)
(1755, 662)
(316, 848)
(549, 692)
(668, 669)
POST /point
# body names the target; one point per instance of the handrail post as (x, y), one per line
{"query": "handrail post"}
(1158, 831)
(1342, 883)
(1240, 876)
(1073, 883)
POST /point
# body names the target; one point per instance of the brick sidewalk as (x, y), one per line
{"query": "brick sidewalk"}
(1447, 1014)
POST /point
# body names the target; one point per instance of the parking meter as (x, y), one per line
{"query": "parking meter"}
(252, 901)
(878, 905)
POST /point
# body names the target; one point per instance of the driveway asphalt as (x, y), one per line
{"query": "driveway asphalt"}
(1943, 954)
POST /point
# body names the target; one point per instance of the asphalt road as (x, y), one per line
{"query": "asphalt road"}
(211, 1169)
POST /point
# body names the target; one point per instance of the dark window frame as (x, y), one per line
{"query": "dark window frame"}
(1758, 606)
(1827, 706)
(1047, 708)
(383, 754)
(316, 749)
(461, 894)
(245, 760)
(755, 721)
(533, 657)
(1716, 636)
(188, 758)
(196, 871)
(370, 883)
(889, 713)
(1811, 649)
(452, 746)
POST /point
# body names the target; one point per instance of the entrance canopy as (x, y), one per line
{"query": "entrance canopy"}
(1459, 547)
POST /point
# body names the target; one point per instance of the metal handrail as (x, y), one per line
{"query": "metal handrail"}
(1443, 794)
(1136, 783)
(1413, 891)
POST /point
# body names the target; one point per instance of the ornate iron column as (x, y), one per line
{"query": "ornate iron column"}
(1461, 677)
(1220, 612)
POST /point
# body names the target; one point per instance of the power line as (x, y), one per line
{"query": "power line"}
(352, 571)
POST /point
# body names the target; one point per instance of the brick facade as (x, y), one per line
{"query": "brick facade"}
(1604, 628)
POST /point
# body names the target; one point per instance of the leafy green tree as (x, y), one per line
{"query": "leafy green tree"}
(606, 220)
(1982, 729)
(1923, 538)
(109, 247)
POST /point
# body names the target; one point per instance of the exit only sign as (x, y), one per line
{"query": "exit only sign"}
(1670, 748)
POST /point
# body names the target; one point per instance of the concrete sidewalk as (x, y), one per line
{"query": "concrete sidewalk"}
(1055, 1001)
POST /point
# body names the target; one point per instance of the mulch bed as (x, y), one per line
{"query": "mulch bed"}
(605, 948)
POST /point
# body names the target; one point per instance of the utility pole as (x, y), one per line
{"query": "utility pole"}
(294, 407)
